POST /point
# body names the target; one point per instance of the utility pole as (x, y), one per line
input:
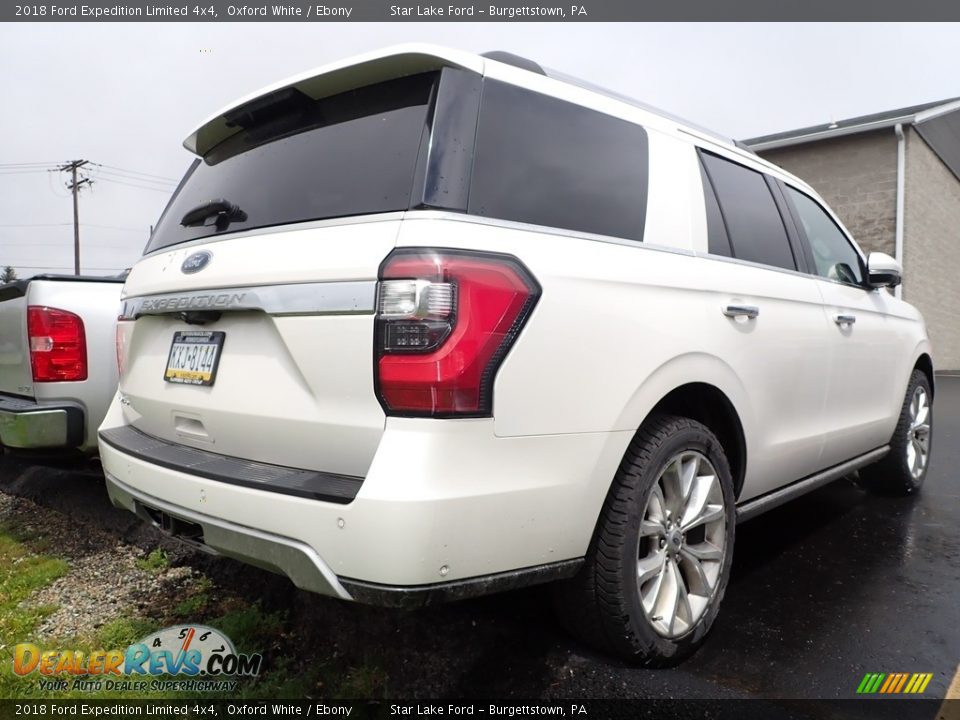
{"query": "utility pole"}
(75, 186)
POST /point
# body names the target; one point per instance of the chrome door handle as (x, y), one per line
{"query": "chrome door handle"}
(747, 311)
(845, 319)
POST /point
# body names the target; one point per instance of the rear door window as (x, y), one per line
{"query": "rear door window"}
(750, 216)
(296, 159)
(717, 241)
(545, 161)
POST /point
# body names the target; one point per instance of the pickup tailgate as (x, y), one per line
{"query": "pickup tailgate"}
(291, 316)
(16, 377)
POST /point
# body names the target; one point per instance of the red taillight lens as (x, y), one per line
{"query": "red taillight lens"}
(446, 320)
(58, 345)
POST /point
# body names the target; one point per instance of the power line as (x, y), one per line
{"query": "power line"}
(31, 164)
(142, 187)
(119, 176)
(137, 172)
(51, 186)
(23, 172)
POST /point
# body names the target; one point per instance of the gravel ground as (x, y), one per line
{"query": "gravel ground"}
(103, 582)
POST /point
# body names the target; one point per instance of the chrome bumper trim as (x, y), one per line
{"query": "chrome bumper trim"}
(26, 425)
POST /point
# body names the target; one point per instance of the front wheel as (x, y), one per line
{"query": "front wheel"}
(660, 558)
(903, 470)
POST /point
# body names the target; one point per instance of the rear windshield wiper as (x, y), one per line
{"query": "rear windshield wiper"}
(214, 212)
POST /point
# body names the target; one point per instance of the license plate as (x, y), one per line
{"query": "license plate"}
(194, 357)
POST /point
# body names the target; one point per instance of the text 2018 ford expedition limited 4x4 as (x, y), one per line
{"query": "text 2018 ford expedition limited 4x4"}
(425, 324)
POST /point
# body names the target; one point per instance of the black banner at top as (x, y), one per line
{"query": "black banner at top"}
(216, 11)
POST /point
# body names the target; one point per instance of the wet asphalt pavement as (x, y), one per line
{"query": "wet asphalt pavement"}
(824, 589)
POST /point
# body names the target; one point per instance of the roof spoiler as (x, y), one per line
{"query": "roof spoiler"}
(334, 78)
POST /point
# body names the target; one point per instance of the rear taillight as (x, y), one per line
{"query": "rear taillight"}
(446, 319)
(58, 345)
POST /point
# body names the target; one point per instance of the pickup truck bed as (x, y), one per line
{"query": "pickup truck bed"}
(38, 410)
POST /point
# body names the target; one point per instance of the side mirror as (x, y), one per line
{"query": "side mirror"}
(883, 270)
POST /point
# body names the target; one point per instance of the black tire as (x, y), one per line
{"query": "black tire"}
(601, 605)
(892, 475)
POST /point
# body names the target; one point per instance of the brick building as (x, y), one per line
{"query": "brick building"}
(894, 180)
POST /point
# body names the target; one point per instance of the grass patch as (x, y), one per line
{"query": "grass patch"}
(21, 573)
(123, 632)
(199, 599)
(24, 570)
(156, 561)
(250, 628)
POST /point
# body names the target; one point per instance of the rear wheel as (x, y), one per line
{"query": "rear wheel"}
(904, 468)
(660, 558)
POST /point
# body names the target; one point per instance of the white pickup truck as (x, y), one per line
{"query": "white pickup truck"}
(58, 367)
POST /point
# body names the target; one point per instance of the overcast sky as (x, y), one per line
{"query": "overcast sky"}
(126, 94)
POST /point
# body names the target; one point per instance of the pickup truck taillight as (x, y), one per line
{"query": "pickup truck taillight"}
(58, 345)
(446, 320)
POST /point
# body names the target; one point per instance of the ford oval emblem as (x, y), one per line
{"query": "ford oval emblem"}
(196, 262)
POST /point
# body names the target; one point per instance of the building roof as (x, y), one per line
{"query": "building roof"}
(938, 123)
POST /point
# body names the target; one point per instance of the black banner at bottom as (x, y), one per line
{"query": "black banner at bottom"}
(872, 708)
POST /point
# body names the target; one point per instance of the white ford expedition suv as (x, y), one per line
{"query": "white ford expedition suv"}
(424, 324)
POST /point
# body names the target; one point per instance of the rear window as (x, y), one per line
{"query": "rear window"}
(297, 159)
(548, 162)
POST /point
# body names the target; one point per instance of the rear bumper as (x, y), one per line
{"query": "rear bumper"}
(447, 510)
(304, 567)
(27, 425)
(278, 554)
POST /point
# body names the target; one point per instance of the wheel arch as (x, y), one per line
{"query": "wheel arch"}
(708, 404)
(924, 364)
(704, 388)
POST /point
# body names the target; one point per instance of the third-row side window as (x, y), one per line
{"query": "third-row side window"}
(548, 162)
(749, 214)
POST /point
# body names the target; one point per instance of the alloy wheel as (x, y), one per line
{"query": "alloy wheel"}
(918, 434)
(682, 544)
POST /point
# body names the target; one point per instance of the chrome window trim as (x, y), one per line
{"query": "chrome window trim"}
(774, 268)
(426, 215)
(321, 298)
(759, 266)
(543, 230)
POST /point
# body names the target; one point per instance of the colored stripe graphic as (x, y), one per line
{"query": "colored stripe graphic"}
(894, 683)
(899, 687)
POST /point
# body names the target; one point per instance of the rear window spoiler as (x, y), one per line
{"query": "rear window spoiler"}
(338, 77)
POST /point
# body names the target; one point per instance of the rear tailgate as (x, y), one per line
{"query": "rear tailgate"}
(251, 330)
(293, 383)
(16, 376)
